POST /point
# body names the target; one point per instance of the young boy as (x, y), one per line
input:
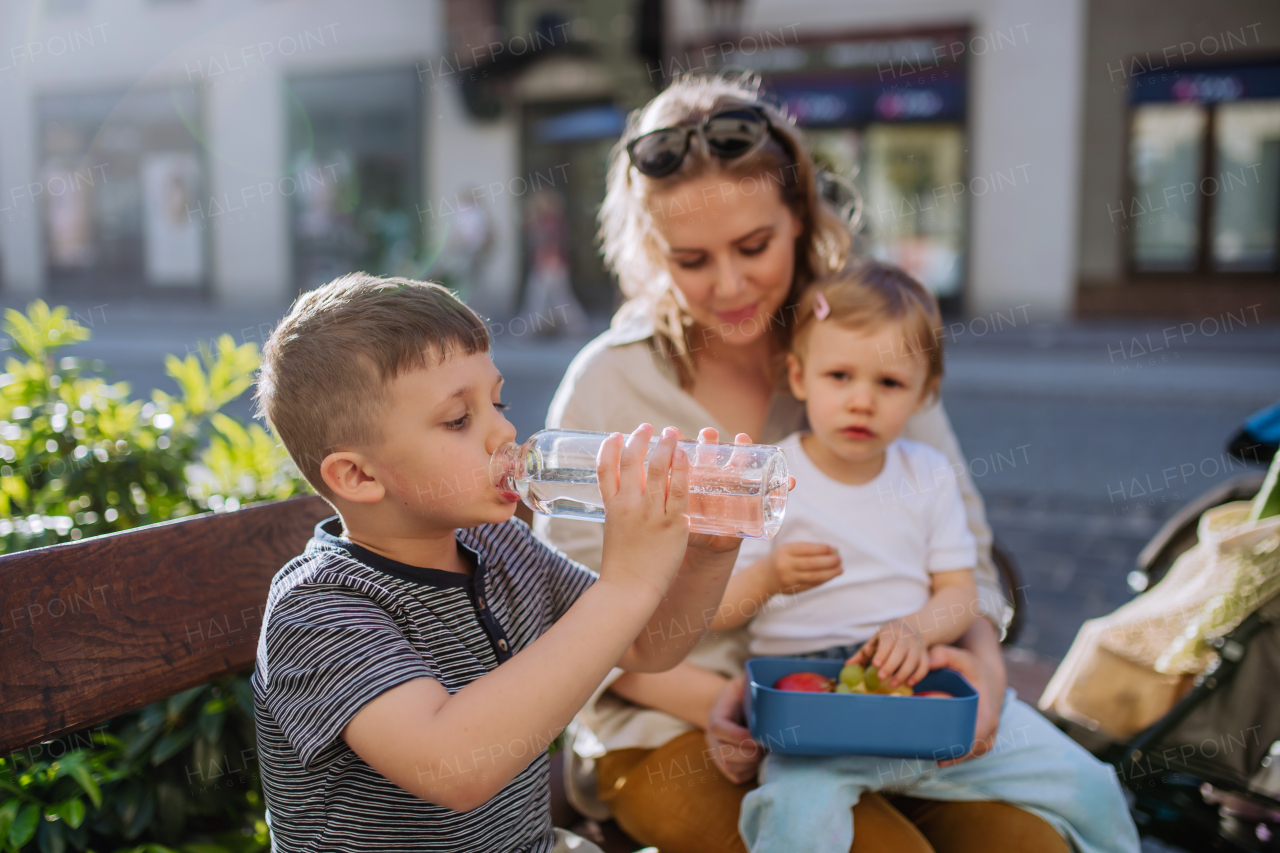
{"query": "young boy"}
(420, 655)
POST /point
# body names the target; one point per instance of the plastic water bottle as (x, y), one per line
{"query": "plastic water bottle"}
(734, 489)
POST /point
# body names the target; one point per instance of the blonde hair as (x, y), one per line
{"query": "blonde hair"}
(868, 295)
(626, 222)
(325, 368)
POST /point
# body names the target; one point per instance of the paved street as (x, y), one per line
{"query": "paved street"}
(1069, 430)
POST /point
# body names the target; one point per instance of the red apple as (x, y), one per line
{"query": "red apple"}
(937, 694)
(806, 682)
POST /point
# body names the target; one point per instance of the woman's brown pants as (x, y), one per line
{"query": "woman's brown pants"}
(675, 798)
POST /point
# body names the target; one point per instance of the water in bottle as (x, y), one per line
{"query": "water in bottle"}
(734, 489)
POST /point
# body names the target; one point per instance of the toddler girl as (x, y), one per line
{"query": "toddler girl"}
(873, 564)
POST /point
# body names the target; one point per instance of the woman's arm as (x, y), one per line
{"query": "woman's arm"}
(978, 659)
(932, 427)
(686, 691)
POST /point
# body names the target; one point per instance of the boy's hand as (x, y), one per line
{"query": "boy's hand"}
(797, 566)
(898, 653)
(646, 527)
(706, 541)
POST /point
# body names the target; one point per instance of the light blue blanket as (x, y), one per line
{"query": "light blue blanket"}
(803, 803)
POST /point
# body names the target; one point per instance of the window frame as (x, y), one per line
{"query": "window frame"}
(1204, 268)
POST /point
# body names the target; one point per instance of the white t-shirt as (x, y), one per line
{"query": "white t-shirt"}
(892, 533)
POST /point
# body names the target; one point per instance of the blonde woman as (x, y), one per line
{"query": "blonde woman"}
(714, 226)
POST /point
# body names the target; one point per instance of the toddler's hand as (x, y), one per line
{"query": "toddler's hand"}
(797, 566)
(898, 653)
(646, 528)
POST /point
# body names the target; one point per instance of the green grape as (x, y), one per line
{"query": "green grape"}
(843, 688)
(872, 678)
(851, 674)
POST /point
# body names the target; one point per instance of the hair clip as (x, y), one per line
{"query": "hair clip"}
(820, 307)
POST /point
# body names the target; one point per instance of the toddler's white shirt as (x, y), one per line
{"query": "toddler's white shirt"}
(892, 533)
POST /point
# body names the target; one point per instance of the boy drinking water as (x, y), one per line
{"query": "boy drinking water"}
(873, 564)
(420, 655)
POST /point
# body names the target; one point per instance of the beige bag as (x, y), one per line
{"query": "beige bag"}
(1127, 669)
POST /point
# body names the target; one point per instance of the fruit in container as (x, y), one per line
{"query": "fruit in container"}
(936, 694)
(805, 682)
(852, 674)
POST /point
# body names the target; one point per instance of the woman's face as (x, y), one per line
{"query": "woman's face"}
(729, 244)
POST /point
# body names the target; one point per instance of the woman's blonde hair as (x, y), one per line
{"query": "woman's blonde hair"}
(781, 159)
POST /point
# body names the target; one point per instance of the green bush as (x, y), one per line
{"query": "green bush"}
(78, 458)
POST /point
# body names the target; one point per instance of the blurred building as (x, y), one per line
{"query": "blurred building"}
(1031, 158)
(1179, 205)
(243, 150)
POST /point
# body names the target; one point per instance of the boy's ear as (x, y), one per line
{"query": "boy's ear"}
(347, 476)
(795, 376)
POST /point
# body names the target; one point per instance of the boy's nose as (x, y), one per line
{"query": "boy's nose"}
(505, 431)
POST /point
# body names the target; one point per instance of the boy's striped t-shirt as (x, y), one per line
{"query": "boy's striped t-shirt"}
(343, 625)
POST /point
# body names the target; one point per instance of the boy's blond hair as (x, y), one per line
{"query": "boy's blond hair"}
(872, 293)
(325, 368)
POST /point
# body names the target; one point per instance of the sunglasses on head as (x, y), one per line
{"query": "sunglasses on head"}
(728, 134)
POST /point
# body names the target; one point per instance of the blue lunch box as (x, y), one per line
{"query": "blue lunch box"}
(797, 723)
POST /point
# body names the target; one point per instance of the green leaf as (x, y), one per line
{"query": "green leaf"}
(51, 837)
(24, 825)
(72, 811)
(172, 743)
(1267, 502)
(8, 812)
(140, 817)
(210, 720)
(87, 783)
(244, 696)
(177, 704)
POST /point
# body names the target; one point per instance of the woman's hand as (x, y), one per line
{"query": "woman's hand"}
(990, 697)
(732, 749)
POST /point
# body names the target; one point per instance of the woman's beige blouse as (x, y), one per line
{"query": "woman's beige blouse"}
(621, 380)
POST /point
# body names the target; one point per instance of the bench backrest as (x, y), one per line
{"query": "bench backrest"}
(92, 629)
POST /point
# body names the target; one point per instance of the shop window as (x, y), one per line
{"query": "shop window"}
(120, 176)
(911, 180)
(355, 150)
(1247, 147)
(1204, 172)
(1166, 159)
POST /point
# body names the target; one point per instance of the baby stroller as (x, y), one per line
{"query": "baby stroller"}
(1206, 775)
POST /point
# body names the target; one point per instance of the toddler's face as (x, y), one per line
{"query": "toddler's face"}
(860, 386)
(440, 426)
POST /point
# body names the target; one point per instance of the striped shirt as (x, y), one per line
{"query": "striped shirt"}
(343, 625)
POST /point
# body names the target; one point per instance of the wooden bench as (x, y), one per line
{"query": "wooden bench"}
(92, 629)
